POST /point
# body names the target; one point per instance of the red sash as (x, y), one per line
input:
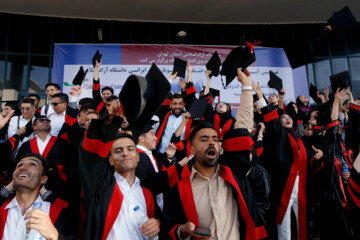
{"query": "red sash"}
(299, 165)
(35, 149)
(100, 106)
(224, 129)
(115, 207)
(162, 128)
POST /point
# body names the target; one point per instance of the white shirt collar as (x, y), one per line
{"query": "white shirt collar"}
(47, 137)
(121, 180)
(149, 152)
(14, 202)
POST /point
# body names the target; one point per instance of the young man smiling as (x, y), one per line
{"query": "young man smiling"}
(112, 215)
(30, 174)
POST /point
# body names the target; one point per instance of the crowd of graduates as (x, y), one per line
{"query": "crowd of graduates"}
(281, 171)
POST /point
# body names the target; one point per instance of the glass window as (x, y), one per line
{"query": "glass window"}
(214, 34)
(41, 35)
(319, 40)
(19, 33)
(160, 33)
(339, 65)
(2, 69)
(353, 40)
(337, 45)
(122, 32)
(103, 32)
(141, 32)
(16, 73)
(63, 30)
(356, 89)
(322, 73)
(267, 35)
(39, 74)
(3, 32)
(284, 35)
(233, 35)
(355, 69)
(196, 34)
(310, 73)
(82, 31)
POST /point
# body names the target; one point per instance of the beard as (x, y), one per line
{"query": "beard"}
(177, 113)
(209, 158)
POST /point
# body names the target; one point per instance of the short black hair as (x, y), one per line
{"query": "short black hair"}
(111, 98)
(28, 100)
(43, 160)
(176, 96)
(63, 97)
(55, 85)
(87, 102)
(124, 135)
(34, 95)
(201, 125)
(107, 88)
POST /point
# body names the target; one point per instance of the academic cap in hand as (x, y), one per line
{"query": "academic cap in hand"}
(275, 82)
(340, 80)
(80, 76)
(96, 57)
(179, 67)
(214, 65)
(240, 57)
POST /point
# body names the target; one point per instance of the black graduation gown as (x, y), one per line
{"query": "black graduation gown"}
(101, 192)
(285, 157)
(56, 154)
(156, 182)
(99, 103)
(179, 206)
(59, 215)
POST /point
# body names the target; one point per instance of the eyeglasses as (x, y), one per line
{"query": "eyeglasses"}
(25, 109)
(44, 120)
(56, 103)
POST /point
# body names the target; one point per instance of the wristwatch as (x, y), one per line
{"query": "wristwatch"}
(247, 88)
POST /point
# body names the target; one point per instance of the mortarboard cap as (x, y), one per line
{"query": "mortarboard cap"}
(79, 78)
(198, 108)
(313, 93)
(141, 97)
(299, 55)
(96, 57)
(179, 67)
(214, 65)
(324, 113)
(343, 21)
(240, 57)
(340, 80)
(214, 92)
(275, 81)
